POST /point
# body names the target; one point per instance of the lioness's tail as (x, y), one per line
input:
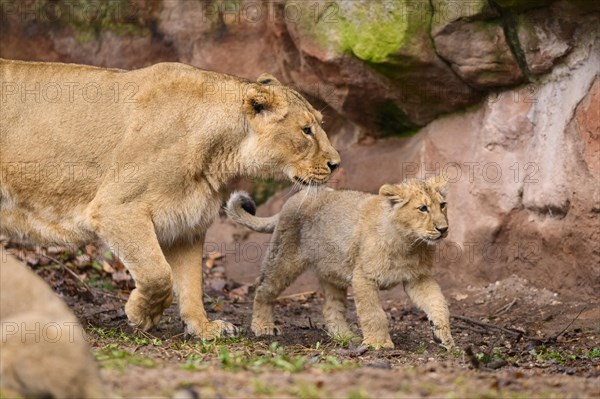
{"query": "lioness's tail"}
(241, 209)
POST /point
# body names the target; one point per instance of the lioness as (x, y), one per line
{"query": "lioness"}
(43, 353)
(137, 158)
(356, 239)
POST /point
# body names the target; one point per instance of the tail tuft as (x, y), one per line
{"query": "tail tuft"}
(242, 209)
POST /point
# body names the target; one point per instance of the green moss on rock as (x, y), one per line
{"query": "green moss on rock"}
(375, 31)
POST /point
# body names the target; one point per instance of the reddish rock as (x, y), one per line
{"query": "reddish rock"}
(544, 37)
(479, 53)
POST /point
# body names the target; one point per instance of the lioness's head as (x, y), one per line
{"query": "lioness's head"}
(417, 208)
(285, 134)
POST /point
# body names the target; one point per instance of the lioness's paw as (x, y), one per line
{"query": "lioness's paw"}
(260, 329)
(144, 312)
(213, 330)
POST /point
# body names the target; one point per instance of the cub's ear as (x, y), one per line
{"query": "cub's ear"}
(268, 79)
(439, 183)
(393, 194)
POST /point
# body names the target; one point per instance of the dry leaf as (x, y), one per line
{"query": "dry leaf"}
(107, 267)
(121, 276)
(215, 255)
(90, 250)
(460, 297)
(211, 258)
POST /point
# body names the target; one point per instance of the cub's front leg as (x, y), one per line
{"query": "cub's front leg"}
(371, 317)
(129, 231)
(427, 295)
(185, 259)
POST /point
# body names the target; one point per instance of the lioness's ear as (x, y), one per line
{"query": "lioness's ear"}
(257, 101)
(264, 102)
(393, 195)
(267, 79)
(439, 183)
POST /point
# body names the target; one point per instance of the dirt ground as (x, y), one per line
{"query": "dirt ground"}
(517, 341)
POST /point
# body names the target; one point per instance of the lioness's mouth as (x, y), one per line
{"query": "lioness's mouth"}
(309, 182)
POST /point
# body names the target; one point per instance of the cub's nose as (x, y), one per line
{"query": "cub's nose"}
(332, 166)
(442, 230)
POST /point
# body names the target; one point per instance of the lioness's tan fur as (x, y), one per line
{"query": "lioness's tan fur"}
(350, 238)
(43, 352)
(136, 159)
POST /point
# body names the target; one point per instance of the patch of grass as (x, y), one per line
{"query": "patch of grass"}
(194, 362)
(422, 348)
(112, 356)
(308, 391)
(594, 353)
(357, 394)
(331, 363)
(123, 337)
(262, 388)
(342, 339)
(544, 354)
(97, 281)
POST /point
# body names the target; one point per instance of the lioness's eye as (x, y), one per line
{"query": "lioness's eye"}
(423, 208)
(307, 130)
(442, 205)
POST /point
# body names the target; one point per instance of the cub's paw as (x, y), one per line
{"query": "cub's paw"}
(144, 312)
(212, 329)
(261, 329)
(379, 343)
(443, 337)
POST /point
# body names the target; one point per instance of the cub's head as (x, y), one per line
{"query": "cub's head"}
(285, 134)
(417, 208)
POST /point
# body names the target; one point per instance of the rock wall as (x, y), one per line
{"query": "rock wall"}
(502, 93)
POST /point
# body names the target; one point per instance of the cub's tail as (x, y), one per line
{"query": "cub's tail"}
(241, 209)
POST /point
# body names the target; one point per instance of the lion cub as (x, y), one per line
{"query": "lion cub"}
(350, 238)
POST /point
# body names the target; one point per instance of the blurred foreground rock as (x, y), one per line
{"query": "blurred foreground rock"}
(43, 352)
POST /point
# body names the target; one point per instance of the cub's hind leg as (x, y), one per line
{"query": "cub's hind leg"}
(277, 273)
(334, 310)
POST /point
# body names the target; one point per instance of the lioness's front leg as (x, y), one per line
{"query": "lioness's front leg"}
(371, 317)
(130, 234)
(186, 262)
(427, 295)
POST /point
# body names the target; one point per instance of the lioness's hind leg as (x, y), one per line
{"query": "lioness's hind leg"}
(427, 295)
(186, 261)
(276, 276)
(334, 310)
(134, 241)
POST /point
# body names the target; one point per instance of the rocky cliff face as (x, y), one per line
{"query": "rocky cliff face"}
(503, 95)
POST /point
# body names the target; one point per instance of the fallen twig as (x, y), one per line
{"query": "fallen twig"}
(299, 294)
(505, 308)
(492, 326)
(555, 337)
(71, 272)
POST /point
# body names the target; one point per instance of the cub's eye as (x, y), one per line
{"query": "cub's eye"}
(307, 130)
(442, 205)
(423, 208)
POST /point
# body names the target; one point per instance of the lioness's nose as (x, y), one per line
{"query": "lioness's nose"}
(442, 230)
(333, 166)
